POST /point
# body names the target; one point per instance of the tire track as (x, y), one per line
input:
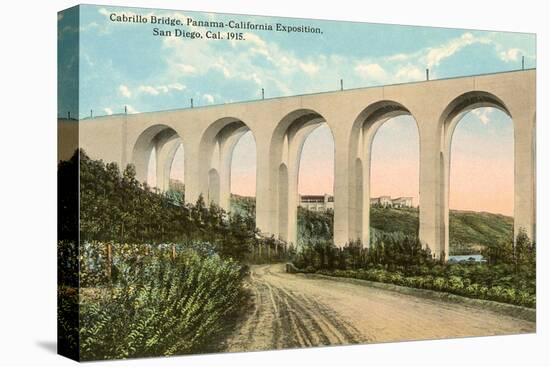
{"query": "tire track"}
(292, 321)
(293, 311)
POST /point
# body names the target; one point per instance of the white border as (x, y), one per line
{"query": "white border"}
(28, 182)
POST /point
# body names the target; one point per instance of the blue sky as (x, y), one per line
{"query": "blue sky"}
(123, 64)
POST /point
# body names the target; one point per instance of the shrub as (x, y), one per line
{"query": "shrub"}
(159, 307)
(509, 277)
(455, 284)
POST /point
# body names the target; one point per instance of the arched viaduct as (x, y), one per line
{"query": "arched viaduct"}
(281, 125)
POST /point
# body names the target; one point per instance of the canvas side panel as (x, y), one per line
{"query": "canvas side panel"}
(67, 182)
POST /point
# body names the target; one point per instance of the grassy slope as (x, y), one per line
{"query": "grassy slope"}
(466, 228)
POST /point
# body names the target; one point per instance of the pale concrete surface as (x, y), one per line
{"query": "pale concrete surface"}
(292, 310)
(280, 126)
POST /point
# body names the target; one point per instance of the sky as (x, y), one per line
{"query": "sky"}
(123, 64)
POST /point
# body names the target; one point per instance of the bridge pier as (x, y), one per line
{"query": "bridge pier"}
(194, 183)
(343, 188)
(227, 142)
(265, 191)
(524, 175)
(281, 125)
(431, 208)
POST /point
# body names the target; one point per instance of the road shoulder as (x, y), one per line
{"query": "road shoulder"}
(524, 313)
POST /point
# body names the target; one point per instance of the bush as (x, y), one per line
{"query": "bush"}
(509, 277)
(159, 307)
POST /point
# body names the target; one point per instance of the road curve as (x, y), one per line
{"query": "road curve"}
(293, 310)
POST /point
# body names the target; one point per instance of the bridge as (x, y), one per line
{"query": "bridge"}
(280, 127)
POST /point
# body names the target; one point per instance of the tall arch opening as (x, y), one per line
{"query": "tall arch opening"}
(176, 181)
(286, 149)
(316, 188)
(478, 169)
(154, 157)
(384, 173)
(228, 175)
(394, 186)
(243, 176)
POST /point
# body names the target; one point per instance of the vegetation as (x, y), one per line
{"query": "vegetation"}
(152, 275)
(469, 232)
(510, 275)
(397, 256)
(159, 306)
(472, 232)
(392, 220)
(155, 276)
(115, 207)
(243, 205)
(314, 227)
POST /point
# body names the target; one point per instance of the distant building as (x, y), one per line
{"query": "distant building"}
(384, 201)
(317, 203)
(402, 202)
(388, 202)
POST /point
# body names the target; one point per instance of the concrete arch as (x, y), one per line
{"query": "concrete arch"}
(129, 138)
(165, 140)
(216, 152)
(450, 118)
(363, 132)
(285, 151)
(165, 160)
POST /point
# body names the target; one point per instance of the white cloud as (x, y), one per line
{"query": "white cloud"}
(158, 89)
(258, 63)
(255, 40)
(220, 64)
(483, 115)
(256, 78)
(435, 55)
(88, 27)
(124, 91)
(371, 71)
(512, 54)
(131, 109)
(148, 90)
(398, 57)
(108, 111)
(104, 11)
(407, 67)
(309, 68)
(208, 98)
(255, 60)
(187, 69)
(409, 73)
(176, 86)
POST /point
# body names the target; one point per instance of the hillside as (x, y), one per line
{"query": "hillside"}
(469, 231)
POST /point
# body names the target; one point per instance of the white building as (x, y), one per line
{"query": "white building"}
(388, 202)
(317, 203)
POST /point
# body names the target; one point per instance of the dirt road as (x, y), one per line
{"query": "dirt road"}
(293, 310)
